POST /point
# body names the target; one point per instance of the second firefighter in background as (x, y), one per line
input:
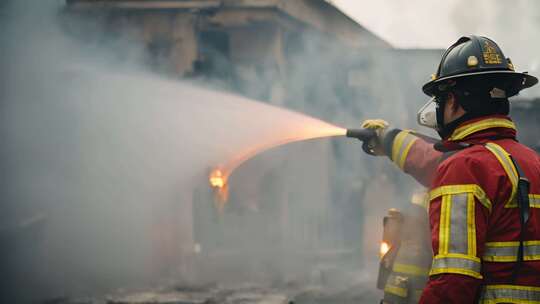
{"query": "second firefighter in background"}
(404, 267)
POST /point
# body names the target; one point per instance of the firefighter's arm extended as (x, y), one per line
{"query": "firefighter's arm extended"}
(410, 151)
(459, 211)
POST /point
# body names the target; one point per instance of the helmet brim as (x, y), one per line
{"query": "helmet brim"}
(521, 80)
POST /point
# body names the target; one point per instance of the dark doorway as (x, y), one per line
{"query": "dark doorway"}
(214, 55)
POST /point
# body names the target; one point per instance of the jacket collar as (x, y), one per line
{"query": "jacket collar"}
(484, 127)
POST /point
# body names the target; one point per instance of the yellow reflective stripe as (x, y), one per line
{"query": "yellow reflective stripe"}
(403, 156)
(534, 200)
(464, 131)
(456, 263)
(476, 190)
(504, 159)
(513, 287)
(401, 147)
(444, 225)
(507, 251)
(457, 217)
(511, 243)
(398, 291)
(471, 226)
(510, 294)
(398, 142)
(510, 259)
(502, 244)
(508, 300)
(410, 269)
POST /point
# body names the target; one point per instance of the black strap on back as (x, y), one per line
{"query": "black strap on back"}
(524, 206)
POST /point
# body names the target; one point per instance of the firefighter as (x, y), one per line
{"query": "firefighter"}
(484, 196)
(410, 266)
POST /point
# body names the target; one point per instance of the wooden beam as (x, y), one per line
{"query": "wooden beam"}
(144, 4)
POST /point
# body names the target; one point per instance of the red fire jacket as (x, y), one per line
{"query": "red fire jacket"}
(473, 212)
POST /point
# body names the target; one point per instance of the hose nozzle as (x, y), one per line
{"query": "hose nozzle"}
(361, 134)
(364, 135)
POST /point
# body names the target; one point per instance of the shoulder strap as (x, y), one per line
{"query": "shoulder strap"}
(520, 188)
(506, 161)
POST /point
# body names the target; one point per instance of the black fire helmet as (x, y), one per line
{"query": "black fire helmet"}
(476, 57)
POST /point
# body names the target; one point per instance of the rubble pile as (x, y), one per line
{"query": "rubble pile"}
(238, 295)
(244, 295)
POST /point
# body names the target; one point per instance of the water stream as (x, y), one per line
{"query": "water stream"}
(288, 127)
(103, 159)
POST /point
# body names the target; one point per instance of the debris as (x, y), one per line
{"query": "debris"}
(173, 297)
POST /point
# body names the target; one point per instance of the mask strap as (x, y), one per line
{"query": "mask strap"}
(440, 115)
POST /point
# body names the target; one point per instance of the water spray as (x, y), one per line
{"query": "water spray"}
(219, 175)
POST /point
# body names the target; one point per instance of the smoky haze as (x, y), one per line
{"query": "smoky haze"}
(105, 164)
(101, 160)
(514, 25)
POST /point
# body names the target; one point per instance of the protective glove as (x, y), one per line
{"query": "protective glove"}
(374, 146)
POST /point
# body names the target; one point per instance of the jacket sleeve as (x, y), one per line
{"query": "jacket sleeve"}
(413, 154)
(459, 211)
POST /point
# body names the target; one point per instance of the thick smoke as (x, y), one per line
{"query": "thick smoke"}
(101, 161)
(514, 25)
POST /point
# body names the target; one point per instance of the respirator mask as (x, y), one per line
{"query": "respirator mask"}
(431, 115)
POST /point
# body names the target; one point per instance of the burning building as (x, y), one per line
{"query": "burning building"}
(309, 199)
(246, 46)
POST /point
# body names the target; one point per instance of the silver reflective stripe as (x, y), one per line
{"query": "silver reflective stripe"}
(510, 294)
(458, 224)
(442, 263)
(534, 200)
(501, 252)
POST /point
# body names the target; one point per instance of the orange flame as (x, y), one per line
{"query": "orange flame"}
(217, 180)
(384, 248)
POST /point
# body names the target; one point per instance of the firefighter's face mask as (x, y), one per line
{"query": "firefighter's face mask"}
(428, 115)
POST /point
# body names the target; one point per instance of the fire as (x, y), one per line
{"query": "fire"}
(217, 180)
(384, 248)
